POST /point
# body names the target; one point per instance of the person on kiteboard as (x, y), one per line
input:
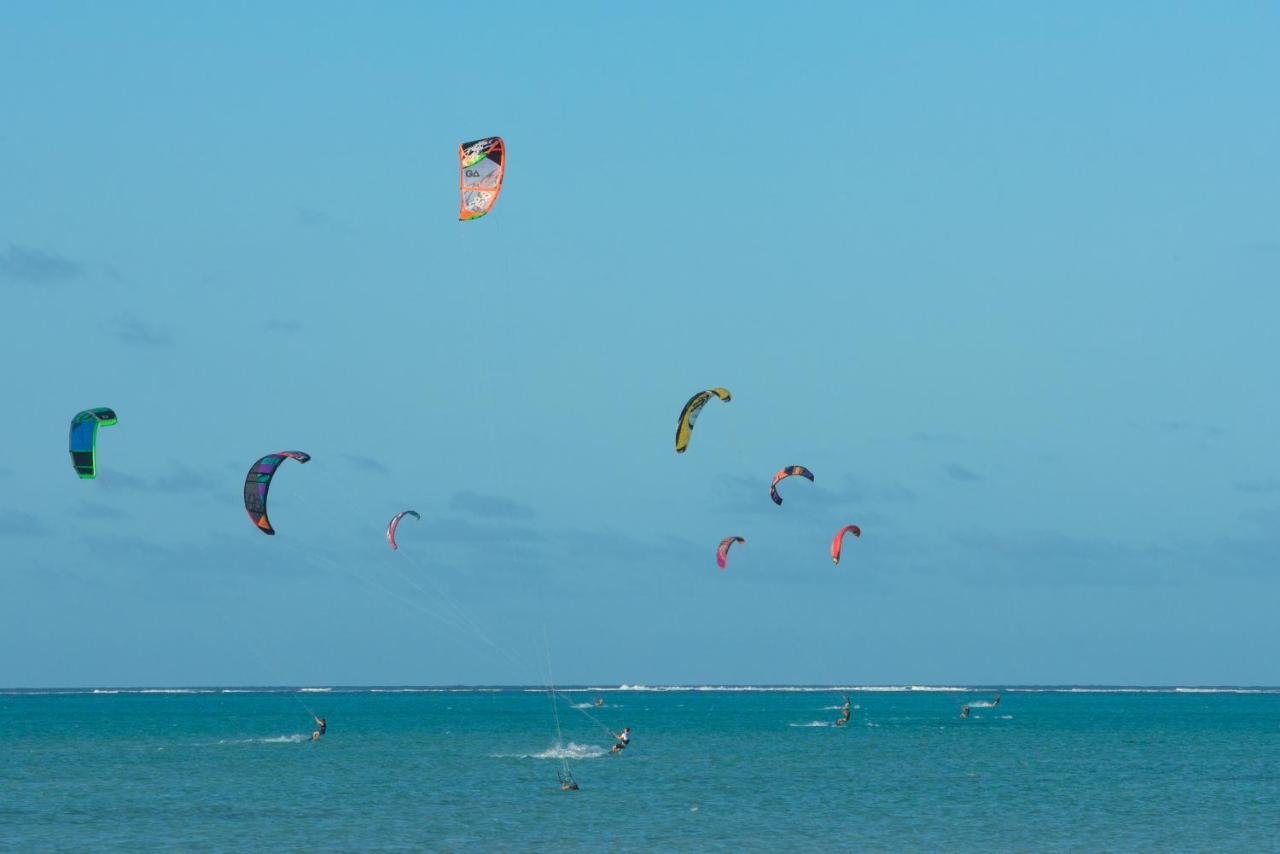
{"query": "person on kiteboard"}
(845, 713)
(964, 711)
(623, 739)
(321, 726)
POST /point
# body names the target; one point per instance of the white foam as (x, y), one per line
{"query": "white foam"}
(174, 691)
(275, 739)
(1079, 689)
(1220, 691)
(934, 688)
(406, 691)
(814, 723)
(737, 689)
(314, 690)
(38, 693)
(572, 750)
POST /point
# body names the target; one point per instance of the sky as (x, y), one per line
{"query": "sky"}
(1005, 278)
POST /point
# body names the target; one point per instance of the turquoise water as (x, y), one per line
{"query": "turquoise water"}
(711, 770)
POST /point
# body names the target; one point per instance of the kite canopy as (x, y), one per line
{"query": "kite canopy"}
(258, 481)
(395, 523)
(84, 439)
(787, 472)
(689, 415)
(481, 165)
(722, 551)
(836, 543)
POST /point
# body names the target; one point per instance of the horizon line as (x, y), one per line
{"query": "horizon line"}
(642, 688)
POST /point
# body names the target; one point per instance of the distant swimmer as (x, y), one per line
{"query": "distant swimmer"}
(321, 726)
(845, 712)
(599, 701)
(623, 738)
(964, 711)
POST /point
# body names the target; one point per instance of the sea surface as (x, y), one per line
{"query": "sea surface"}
(720, 769)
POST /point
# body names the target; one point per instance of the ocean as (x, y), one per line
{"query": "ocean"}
(718, 769)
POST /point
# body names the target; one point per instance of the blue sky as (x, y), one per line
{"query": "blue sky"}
(1004, 278)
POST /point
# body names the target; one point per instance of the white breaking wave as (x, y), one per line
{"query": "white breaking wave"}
(152, 691)
(935, 688)
(1080, 689)
(814, 723)
(407, 691)
(786, 689)
(175, 691)
(314, 690)
(1221, 691)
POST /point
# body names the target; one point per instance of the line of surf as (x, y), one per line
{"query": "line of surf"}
(625, 688)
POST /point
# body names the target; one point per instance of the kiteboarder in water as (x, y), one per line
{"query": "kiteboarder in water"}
(321, 726)
(567, 783)
(599, 701)
(623, 738)
(964, 711)
(845, 712)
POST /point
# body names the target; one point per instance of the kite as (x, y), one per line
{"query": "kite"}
(258, 481)
(395, 523)
(836, 543)
(481, 165)
(785, 473)
(722, 552)
(84, 439)
(689, 415)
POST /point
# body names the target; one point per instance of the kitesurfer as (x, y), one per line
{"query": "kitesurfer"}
(623, 738)
(599, 701)
(567, 783)
(964, 711)
(321, 726)
(996, 701)
(845, 713)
